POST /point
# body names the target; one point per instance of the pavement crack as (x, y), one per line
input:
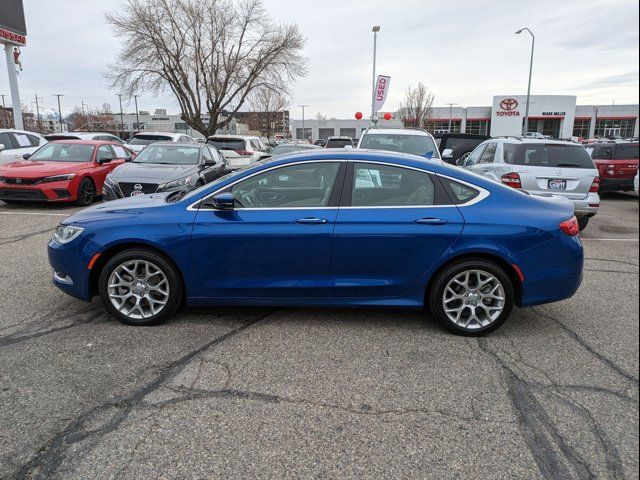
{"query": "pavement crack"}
(18, 238)
(50, 456)
(601, 357)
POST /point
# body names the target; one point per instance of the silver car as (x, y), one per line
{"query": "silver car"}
(541, 167)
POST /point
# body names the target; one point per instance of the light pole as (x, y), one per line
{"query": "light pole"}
(121, 116)
(375, 30)
(4, 112)
(135, 100)
(38, 114)
(303, 107)
(450, 114)
(59, 109)
(525, 127)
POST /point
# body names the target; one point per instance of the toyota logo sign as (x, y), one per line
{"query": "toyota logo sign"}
(509, 104)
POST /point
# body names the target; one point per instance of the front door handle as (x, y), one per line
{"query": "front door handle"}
(312, 220)
(432, 221)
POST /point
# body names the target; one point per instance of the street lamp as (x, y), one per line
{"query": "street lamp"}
(450, 114)
(135, 99)
(525, 127)
(375, 30)
(303, 107)
(59, 110)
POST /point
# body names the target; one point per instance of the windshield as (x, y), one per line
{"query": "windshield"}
(227, 143)
(339, 142)
(64, 152)
(147, 139)
(169, 155)
(555, 156)
(395, 142)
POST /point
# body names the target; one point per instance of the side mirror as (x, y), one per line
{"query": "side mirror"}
(26, 156)
(128, 159)
(102, 160)
(2, 147)
(209, 162)
(223, 201)
(447, 153)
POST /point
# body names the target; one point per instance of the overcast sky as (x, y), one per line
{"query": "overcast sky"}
(464, 51)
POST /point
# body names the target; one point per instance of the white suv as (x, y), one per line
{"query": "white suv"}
(15, 143)
(142, 139)
(249, 149)
(540, 167)
(403, 140)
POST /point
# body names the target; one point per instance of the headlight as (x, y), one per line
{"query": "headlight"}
(110, 181)
(190, 180)
(66, 233)
(59, 178)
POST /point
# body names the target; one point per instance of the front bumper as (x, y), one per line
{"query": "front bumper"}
(47, 192)
(70, 269)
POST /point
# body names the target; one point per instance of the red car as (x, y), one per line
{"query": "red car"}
(61, 171)
(617, 164)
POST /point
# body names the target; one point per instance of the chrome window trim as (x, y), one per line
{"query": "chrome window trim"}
(483, 192)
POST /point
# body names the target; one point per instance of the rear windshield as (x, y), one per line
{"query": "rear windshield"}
(147, 139)
(51, 138)
(413, 144)
(282, 149)
(64, 152)
(555, 156)
(227, 143)
(626, 152)
(338, 142)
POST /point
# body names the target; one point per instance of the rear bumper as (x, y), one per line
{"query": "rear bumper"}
(616, 184)
(50, 192)
(587, 207)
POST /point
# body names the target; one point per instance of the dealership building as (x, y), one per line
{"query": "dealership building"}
(557, 116)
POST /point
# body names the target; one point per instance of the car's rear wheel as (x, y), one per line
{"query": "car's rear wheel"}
(583, 222)
(472, 297)
(140, 287)
(86, 192)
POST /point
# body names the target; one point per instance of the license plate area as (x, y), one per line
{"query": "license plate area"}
(555, 184)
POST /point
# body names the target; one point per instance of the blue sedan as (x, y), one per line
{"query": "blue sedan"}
(329, 228)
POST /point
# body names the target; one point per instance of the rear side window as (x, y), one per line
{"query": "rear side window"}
(22, 140)
(509, 152)
(377, 185)
(459, 192)
(555, 156)
(5, 140)
(603, 152)
(626, 152)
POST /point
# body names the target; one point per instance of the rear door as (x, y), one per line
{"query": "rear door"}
(559, 169)
(394, 222)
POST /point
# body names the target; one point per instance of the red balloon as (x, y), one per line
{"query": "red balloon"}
(387, 116)
(359, 115)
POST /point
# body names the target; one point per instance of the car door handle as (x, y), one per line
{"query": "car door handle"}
(312, 220)
(432, 221)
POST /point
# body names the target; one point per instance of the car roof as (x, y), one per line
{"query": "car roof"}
(392, 131)
(538, 141)
(13, 130)
(240, 137)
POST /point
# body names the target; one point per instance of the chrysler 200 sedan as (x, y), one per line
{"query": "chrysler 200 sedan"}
(329, 228)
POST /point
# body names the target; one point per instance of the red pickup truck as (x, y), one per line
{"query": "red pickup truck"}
(617, 164)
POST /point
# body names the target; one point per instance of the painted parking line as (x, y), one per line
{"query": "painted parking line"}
(38, 213)
(609, 239)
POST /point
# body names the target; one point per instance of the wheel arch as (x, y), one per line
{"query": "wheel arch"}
(508, 268)
(112, 250)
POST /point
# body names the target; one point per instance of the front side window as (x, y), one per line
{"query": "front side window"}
(303, 185)
(377, 185)
(104, 151)
(64, 152)
(474, 157)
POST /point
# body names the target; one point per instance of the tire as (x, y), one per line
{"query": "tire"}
(583, 222)
(490, 313)
(12, 202)
(162, 284)
(86, 193)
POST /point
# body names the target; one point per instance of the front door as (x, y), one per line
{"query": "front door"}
(276, 242)
(394, 224)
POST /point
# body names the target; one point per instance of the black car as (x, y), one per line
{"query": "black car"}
(460, 144)
(165, 167)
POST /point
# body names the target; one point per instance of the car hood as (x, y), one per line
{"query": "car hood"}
(122, 208)
(151, 172)
(35, 168)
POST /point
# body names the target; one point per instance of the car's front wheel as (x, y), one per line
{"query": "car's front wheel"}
(140, 287)
(86, 192)
(472, 297)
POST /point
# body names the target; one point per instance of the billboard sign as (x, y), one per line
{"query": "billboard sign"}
(13, 27)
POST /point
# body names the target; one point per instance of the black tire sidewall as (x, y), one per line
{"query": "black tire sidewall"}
(583, 222)
(442, 279)
(160, 261)
(79, 200)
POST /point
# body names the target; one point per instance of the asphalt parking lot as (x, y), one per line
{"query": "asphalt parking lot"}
(295, 393)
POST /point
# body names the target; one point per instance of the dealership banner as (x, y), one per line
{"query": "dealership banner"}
(382, 88)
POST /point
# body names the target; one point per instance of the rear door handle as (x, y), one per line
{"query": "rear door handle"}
(432, 221)
(312, 220)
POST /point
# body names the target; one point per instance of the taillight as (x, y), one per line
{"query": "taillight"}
(244, 152)
(570, 227)
(611, 169)
(595, 186)
(511, 180)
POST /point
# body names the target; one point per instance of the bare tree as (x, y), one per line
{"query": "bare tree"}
(91, 120)
(211, 54)
(416, 108)
(269, 103)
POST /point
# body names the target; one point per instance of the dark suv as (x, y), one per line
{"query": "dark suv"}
(617, 164)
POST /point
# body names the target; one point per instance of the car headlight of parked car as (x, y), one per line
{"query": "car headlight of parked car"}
(110, 181)
(66, 233)
(181, 182)
(59, 178)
